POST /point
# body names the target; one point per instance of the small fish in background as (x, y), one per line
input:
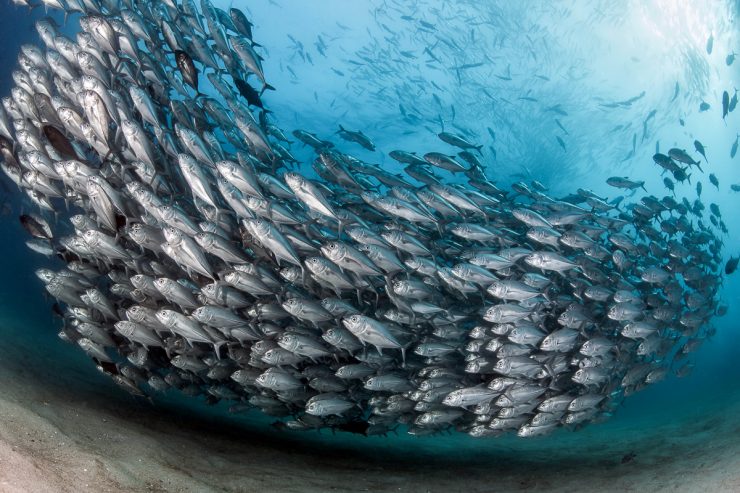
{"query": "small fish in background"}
(557, 122)
(670, 185)
(624, 182)
(710, 44)
(730, 58)
(731, 265)
(704, 106)
(357, 137)
(733, 149)
(700, 149)
(725, 104)
(561, 143)
(682, 156)
(713, 180)
(458, 141)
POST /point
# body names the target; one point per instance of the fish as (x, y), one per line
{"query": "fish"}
(561, 143)
(561, 126)
(356, 136)
(700, 149)
(249, 93)
(194, 252)
(624, 182)
(675, 92)
(444, 161)
(458, 141)
(682, 156)
(731, 265)
(725, 104)
(36, 226)
(187, 68)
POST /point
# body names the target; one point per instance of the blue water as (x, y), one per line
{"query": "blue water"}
(625, 48)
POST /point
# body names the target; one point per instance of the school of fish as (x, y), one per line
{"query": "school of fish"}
(196, 253)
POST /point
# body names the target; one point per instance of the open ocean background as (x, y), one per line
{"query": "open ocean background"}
(649, 47)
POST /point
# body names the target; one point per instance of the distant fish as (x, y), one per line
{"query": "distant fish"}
(624, 182)
(468, 65)
(669, 185)
(700, 149)
(505, 77)
(704, 106)
(557, 109)
(357, 137)
(733, 150)
(675, 93)
(682, 156)
(561, 126)
(710, 44)
(730, 58)
(731, 265)
(562, 144)
(444, 161)
(458, 141)
(733, 103)
(725, 104)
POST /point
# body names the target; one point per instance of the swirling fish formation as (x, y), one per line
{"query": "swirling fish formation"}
(199, 255)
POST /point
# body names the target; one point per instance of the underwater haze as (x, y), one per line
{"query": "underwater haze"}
(551, 99)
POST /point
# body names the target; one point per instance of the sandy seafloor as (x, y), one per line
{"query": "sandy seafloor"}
(64, 427)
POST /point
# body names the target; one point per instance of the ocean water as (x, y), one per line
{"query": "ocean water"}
(542, 61)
